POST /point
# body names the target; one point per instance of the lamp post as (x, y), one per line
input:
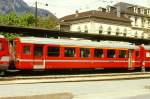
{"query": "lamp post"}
(36, 12)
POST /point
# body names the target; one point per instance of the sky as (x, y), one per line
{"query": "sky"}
(62, 8)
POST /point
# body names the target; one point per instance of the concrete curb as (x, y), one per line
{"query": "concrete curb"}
(46, 96)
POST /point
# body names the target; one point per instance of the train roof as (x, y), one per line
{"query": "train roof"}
(83, 43)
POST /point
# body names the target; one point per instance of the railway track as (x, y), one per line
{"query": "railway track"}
(73, 78)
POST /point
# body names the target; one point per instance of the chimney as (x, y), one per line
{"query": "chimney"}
(118, 11)
(77, 13)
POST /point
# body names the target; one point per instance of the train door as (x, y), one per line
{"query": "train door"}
(130, 65)
(38, 57)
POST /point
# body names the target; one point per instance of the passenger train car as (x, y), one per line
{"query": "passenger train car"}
(31, 53)
(46, 53)
(5, 56)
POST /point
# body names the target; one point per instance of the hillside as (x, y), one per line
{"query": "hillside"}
(20, 7)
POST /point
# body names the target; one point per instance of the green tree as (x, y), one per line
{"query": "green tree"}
(26, 20)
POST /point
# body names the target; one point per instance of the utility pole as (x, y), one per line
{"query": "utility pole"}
(36, 12)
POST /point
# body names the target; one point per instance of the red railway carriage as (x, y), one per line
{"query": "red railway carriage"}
(4, 53)
(46, 53)
(145, 56)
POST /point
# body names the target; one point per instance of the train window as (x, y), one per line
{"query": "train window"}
(53, 51)
(137, 53)
(38, 50)
(69, 52)
(26, 50)
(147, 54)
(122, 53)
(84, 52)
(98, 53)
(111, 53)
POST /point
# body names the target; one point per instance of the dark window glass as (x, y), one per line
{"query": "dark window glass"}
(98, 53)
(53, 51)
(84, 52)
(111, 53)
(69, 52)
(122, 54)
(26, 50)
(38, 50)
(137, 53)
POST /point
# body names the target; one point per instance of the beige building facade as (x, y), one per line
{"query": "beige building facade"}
(122, 19)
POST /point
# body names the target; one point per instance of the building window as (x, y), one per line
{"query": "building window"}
(142, 36)
(69, 52)
(148, 23)
(142, 11)
(117, 31)
(26, 50)
(98, 53)
(143, 22)
(111, 53)
(79, 29)
(136, 34)
(125, 32)
(53, 51)
(101, 29)
(149, 36)
(85, 29)
(135, 21)
(109, 30)
(84, 52)
(147, 11)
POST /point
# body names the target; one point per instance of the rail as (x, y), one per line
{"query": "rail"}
(73, 78)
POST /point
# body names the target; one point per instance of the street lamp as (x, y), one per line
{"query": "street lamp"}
(36, 12)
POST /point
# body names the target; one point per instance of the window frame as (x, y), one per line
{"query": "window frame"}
(102, 55)
(53, 47)
(126, 55)
(89, 54)
(108, 53)
(38, 50)
(74, 52)
(23, 51)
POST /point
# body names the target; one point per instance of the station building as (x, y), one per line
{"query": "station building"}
(121, 19)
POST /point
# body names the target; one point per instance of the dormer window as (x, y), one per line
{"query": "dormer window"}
(147, 12)
(142, 11)
(135, 9)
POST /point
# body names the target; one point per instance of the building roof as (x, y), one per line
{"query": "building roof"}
(94, 14)
(129, 9)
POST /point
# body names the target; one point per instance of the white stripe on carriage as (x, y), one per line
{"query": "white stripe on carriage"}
(24, 60)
